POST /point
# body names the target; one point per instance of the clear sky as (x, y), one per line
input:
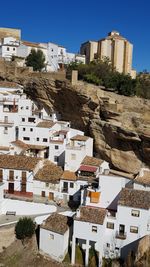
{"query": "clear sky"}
(71, 23)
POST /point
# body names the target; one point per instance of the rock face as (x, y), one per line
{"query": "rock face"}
(119, 125)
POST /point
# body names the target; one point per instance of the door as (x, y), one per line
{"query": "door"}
(11, 188)
(51, 196)
(43, 193)
(11, 175)
(23, 188)
(1, 175)
(65, 188)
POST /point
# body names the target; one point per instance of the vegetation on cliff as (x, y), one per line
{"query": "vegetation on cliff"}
(36, 59)
(101, 73)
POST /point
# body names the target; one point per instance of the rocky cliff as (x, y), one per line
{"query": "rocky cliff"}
(119, 125)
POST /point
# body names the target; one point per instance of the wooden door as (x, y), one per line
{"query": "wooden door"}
(51, 196)
(43, 193)
(23, 188)
(24, 177)
(11, 188)
(1, 175)
(11, 175)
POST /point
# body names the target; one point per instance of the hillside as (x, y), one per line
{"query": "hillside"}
(120, 125)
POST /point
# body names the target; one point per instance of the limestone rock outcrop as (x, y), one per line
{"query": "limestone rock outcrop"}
(119, 125)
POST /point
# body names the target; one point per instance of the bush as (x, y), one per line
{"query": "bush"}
(93, 258)
(79, 259)
(36, 59)
(24, 228)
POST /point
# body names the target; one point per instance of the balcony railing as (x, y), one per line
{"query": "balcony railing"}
(121, 235)
(6, 122)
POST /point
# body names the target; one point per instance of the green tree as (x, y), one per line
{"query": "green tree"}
(36, 59)
(24, 228)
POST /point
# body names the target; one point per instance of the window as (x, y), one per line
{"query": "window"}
(71, 185)
(44, 139)
(94, 229)
(14, 49)
(110, 225)
(21, 108)
(27, 107)
(134, 229)
(31, 129)
(56, 147)
(51, 236)
(47, 184)
(7, 48)
(23, 119)
(24, 129)
(56, 158)
(135, 213)
(73, 156)
(107, 245)
(37, 139)
(31, 119)
(26, 138)
(5, 130)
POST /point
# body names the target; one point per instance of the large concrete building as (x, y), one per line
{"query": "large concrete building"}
(116, 48)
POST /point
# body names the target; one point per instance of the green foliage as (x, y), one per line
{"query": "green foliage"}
(24, 228)
(79, 259)
(36, 59)
(93, 258)
(101, 73)
(106, 262)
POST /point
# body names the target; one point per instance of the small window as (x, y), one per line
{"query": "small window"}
(107, 245)
(14, 48)
(7, 48)
(51, 236)
(21, 108)
(134, 229)
(94, 229)
(27, 107)
(44, 139)
(56, 158)
(135, 213)
(31, 119)
(23, 119)
(31, 129)
(56, 147)
(5, 130)
(71, 185)
(110, 225)
(73, 156)
(47, 184)
(37, 139)
(24, 129)
(26, 138)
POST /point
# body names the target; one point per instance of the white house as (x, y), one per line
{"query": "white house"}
(17, 172)
(46, 181)
(8, 47)
(79, 147)
(88, 231)
(55, 236)
(133, 218)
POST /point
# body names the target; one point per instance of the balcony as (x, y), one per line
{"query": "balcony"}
(6, 123)
(121, 235)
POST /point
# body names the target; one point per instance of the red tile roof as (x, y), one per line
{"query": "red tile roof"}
(87, 168)
(92, 215)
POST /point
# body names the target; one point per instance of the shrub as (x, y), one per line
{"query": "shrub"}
(79, 256)
(24, 228)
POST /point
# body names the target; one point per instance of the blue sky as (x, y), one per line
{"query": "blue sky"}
(70, 23)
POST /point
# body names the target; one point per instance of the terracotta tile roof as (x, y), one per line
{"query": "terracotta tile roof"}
(45, 124)
(18, 162)
(91, 161)
(38, 147)
(56, 141)
(145, 179)
(32, 44)
(88, 168)
(50, 172)
(134, 198)
(57, 223)
(9, 84)
(68, 175)
(92, 215)
(79, 137)
(20, 144)
(4, 148)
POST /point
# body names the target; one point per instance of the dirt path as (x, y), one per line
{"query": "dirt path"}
(7, 237)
